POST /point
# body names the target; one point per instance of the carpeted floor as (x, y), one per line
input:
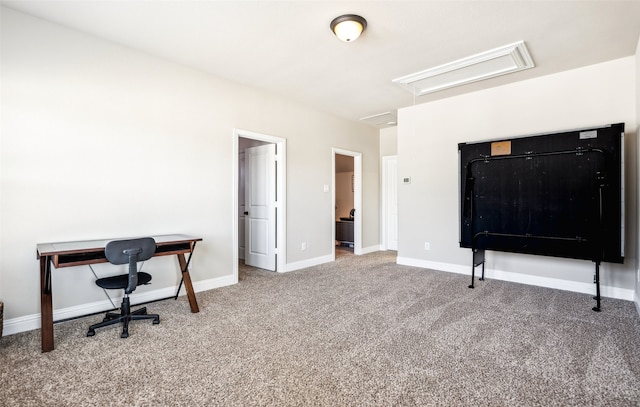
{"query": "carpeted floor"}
(362, 331)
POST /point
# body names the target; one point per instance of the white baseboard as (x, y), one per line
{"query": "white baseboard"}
(370, 249)
(434, 265)
(30, 322)
(308, 263)
(316, 261)
(210, 284)
(636, 300)
(566, 285)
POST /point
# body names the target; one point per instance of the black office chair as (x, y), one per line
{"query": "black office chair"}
(126, 252)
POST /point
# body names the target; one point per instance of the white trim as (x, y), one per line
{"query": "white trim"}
(475, 68)
(235, 154)
(451, 268)
(566, 285)
(309, 263)
(316, 261)
(636, 300)
(281, 223)
(370, 249)
(384, 212)
(31, 322)
(357, 199)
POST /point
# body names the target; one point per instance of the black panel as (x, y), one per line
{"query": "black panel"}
(554, 194)
(173, 247)
(85, 257)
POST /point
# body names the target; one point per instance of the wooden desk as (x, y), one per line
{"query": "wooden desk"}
(68, 254)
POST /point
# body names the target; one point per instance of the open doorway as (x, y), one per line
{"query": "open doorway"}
(344, 204)
(347, 201)
(259, 167)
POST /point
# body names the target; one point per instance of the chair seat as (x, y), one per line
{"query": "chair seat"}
(122, 281)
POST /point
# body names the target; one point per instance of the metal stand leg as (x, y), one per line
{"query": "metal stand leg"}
(182, 270)
(478, 259)
(597, 297)
(179, 287)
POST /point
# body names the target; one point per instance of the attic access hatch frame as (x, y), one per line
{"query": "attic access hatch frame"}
(499, 61)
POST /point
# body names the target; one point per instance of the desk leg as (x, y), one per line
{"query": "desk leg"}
(46, 307)
(187, 283)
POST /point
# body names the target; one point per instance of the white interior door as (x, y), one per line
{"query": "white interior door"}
(390, 201)
(260, 207)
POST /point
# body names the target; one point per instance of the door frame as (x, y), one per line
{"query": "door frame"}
(281, 191)
(384, 230)
(357, 199)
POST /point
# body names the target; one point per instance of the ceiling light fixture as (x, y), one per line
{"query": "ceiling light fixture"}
(348, 27)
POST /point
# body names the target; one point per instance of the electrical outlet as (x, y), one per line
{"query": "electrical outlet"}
(427, 246)
(303, 246)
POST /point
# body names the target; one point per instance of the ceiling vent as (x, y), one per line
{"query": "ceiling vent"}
(386, 119)
(496, 62)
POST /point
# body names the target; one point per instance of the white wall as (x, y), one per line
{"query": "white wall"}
(428, 135)
(389, 141)
(102, 141)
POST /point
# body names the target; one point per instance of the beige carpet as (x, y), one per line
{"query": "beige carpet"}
(361, 331)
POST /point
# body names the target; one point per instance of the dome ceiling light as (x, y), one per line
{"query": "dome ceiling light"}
(348, 27)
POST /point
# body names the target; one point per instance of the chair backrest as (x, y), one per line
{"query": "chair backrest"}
(130, 251)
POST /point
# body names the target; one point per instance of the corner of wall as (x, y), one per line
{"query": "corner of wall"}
(388, 141)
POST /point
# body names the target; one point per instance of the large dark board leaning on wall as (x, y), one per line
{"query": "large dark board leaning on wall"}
(555, 194)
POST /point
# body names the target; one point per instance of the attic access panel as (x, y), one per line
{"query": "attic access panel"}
(557, 194)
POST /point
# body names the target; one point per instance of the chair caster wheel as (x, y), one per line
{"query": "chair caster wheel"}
(156, 321)
(91, 332)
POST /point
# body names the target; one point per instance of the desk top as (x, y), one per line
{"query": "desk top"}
(52, 249)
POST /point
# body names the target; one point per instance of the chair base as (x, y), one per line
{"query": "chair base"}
(124, 317)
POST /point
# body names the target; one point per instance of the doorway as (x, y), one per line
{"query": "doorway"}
(346, 200)
(260, 224)
(344, 204)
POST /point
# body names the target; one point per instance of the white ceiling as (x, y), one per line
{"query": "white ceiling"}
(286, 47)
